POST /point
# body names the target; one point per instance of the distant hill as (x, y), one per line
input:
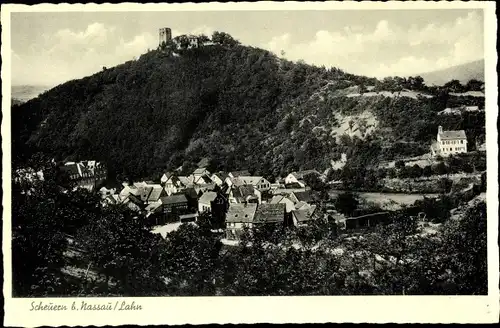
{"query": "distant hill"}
(463, 73)
(15, 101)
(24, 93)
(240, 107)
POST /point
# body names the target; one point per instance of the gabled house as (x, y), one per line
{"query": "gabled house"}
(134, 203)
(128, 190)
(282, 199)
(105, 192)
(205, 201)
(270, 214)
(244, 194)
(156, 193)
(164, 178)
(200, 189)
(298, 177)
(257, 182)
(219, 178)
(260, 183)
(449, 142)
(302, 217)
(202, 180)
(301, 196)
(199, 172)
(177, 183)
(86, 174)
(192, 196)
(174, 205)
(144, 193)
(238, 216)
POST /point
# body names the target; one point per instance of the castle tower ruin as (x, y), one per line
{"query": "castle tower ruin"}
(165, 35)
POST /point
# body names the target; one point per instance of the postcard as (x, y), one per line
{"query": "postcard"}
(267, 162)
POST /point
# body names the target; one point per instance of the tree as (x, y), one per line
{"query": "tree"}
(346, 203)
(45, 213)
(474, 85)
(119, 245)
(191, 257)
(466, 249)
(454, 86)
(314, 181)
(224, 39)
(38, 238)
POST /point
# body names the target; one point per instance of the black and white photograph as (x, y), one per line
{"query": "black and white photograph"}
(189, 153)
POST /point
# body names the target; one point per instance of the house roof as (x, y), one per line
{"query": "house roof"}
(144, 193)
(250, 180)
(303, 196)
(221, 175)
(207, 197)
(302, 205)
(240, 173)
(458, 134)
(185, 180)
(243, 213)
(173, 199)
(243, 191)
(200, 170)
(155, 194)
(204, 180)
(134, 199)
(154, 207)
(276, 199)
(302, 215)
(270, 213)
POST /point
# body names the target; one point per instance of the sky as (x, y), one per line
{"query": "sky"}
(51, 48)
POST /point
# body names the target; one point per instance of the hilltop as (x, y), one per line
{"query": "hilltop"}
(462, 73)
(240, 106)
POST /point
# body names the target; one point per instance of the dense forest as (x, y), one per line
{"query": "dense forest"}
(241, 107)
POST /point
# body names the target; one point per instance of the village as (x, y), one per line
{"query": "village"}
(236, 199)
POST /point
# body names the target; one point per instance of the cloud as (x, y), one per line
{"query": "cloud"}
(69, 54)
(388, 49)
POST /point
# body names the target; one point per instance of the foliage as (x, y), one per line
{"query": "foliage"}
(120, 246)
(191, 258)
(466, 244)
(346, 203)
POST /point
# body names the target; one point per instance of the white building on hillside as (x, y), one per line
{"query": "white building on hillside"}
(449, 142)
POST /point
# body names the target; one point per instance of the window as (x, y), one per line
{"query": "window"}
(461, 141)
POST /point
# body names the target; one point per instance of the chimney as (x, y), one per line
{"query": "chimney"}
(440, 129)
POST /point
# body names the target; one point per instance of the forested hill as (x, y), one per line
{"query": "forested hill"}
(240, 106)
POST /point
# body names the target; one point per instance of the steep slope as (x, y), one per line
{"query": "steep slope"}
(463, 73)
(241, 107)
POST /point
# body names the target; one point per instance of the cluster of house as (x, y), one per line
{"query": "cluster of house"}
(236, 198)
(86, 174)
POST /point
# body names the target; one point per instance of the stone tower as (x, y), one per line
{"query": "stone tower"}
(165, 35)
